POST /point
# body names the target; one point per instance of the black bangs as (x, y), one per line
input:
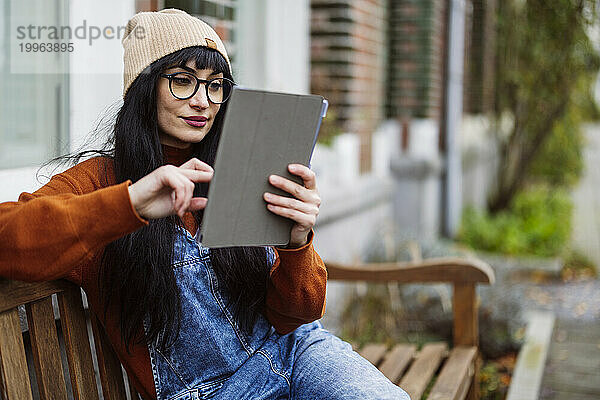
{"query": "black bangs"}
(205, 58)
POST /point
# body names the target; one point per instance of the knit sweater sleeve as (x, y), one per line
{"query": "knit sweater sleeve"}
(46, 234)
(296, 290)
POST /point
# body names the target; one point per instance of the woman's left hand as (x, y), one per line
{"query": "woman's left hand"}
(303, 209)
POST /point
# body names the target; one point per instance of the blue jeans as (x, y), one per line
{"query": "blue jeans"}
(214, 358)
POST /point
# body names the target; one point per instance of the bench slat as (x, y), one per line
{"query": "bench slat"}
(456, 375)
(396, 361)
(46, 350)
(79, 356)
(373, 352)
(111, 376)
(15, 377)
(425, 365)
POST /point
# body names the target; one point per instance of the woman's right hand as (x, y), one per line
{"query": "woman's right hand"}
(169, 189)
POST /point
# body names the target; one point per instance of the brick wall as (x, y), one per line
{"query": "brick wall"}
(417, 31)
(479, 68)
(220, 14)
(348, 64)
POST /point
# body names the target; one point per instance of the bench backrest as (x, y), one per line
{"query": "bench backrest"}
(464, 274)
(46, 349)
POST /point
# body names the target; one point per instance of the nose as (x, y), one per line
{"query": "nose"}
(200, 100)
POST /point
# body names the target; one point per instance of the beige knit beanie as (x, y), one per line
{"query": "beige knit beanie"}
(152, 35)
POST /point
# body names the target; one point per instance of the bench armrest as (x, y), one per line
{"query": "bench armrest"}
(449, 269)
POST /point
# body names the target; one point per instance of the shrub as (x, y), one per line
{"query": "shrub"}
(538, 222)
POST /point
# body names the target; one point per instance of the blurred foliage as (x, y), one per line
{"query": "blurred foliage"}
(494, 377)
(376, 317)
(330, 128)
(545, 68)
(578, 267)
(369, 318)
(560, 160)
(538, 222)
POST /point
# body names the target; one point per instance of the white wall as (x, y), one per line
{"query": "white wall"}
(15, 181)
(350, 217)
(95, 82)
(97, 70)
(480, 160)
(586, 199)
(273, 45)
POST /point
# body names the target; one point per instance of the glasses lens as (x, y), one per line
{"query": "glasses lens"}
(218, 90)
(183, 85)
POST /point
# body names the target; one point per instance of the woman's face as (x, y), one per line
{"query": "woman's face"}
(183, 122)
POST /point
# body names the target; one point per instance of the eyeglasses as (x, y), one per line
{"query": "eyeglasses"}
(184, 85)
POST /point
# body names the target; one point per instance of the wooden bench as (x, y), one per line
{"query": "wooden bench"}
(50, 341)
(453, 372)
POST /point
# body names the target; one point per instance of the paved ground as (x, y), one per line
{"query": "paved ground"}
(573, 367)
(570, 302)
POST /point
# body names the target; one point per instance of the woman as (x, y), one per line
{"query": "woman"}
(186, 321)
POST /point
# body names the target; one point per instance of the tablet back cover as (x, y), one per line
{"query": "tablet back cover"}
(262, 133)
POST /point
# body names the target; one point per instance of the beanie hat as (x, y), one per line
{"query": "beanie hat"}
(150, 36)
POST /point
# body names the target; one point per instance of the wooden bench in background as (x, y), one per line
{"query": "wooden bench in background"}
(51, 341)
(454, 372)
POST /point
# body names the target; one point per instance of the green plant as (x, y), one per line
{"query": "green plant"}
(495, 376)
(560, 161)
(546, 65)
(578, 266)
(538, 222)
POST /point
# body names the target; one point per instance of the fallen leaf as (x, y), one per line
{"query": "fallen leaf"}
(563, 355)
(580, 309)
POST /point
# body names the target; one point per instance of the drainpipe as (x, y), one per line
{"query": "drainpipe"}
(452, 185)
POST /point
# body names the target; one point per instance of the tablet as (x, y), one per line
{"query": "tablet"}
(262, 133)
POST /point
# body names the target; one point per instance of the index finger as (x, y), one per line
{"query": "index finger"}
(194, 163)
(307, 175)
(197, 176)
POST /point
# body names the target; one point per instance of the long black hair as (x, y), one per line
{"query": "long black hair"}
(136, 277)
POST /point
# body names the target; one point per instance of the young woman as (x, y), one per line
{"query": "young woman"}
(187, 322)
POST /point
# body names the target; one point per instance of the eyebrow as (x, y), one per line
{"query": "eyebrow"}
(191, 70)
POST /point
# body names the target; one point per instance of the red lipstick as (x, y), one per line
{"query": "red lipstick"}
(198, 121)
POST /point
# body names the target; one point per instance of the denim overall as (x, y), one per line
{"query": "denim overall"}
(214, 358)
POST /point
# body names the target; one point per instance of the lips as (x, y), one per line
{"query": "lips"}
(196, 118)
(197, 122)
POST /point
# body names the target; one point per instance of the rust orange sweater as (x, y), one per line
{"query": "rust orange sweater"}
(60, 230)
